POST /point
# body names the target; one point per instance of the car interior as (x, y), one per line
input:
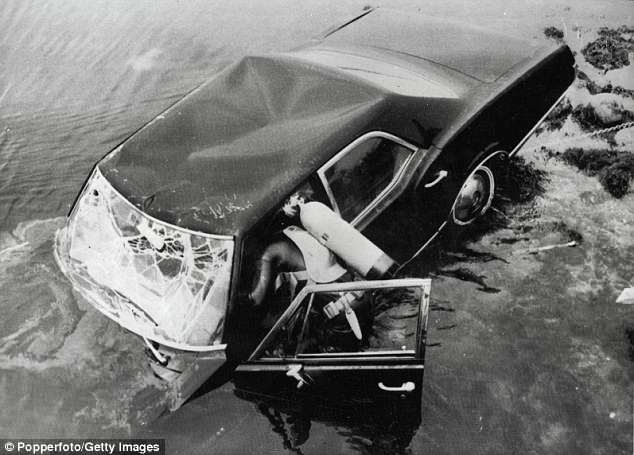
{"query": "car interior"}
(388, 319)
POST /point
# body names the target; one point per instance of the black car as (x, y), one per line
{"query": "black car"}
(170, 234)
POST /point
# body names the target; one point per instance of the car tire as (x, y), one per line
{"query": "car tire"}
(478, 189)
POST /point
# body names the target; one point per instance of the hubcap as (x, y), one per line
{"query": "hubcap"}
(475, 196)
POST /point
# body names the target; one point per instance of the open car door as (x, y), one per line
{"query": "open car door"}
(370, 353)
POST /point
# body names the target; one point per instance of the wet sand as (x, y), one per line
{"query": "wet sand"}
(535, 356)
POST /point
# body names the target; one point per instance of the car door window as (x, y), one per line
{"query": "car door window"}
(363, 172)
(390, 320)
(285, 342)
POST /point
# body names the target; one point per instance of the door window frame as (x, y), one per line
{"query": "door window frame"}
(363, 216)
(421, 331)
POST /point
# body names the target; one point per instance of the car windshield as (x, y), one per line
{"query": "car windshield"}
(162, 282)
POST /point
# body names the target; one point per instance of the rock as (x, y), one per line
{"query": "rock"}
(603, 110)
(610, 112)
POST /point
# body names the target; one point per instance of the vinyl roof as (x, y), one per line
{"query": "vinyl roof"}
(222, 157)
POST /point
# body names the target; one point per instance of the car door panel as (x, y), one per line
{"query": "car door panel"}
(339, 379)
(409, 210)
(361, 384)
(395, 388)
(408, 223)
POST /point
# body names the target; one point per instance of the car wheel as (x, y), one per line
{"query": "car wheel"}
(477, 191)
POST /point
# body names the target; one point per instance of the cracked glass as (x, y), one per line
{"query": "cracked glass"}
(162, 282)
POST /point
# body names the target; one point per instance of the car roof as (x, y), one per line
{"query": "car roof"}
(231, 150)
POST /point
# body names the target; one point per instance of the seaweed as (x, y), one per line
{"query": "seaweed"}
(510, 240)
(614, 168)
(524, 181)
(595, 89)
(465, 254)
(629, 335)
(610, 50)
(556, 118)
(464, 274)
(554, 33)
(617, 179)
(590, 119)
(586, 116)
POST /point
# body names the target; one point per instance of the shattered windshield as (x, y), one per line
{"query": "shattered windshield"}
(159, 281)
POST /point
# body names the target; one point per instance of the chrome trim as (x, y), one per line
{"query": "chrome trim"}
(365, 285)
(282, 366)
(187, 347)
(321, 172)
(530, 133)
(489, 173)
(440, 176)
(403, 353)
(425, 245)
(162, 360)
(156, 220)
(408, 386)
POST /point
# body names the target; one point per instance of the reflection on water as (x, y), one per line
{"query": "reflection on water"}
(65, 369)
(366, 430)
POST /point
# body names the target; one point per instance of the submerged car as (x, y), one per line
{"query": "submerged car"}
(298, 162)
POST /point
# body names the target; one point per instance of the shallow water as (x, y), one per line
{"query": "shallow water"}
(77, 77)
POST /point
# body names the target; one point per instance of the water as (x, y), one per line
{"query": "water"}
(77, 77)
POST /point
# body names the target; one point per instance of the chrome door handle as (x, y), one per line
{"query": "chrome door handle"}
(405, 387)
(294, 372)
(441, 175)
